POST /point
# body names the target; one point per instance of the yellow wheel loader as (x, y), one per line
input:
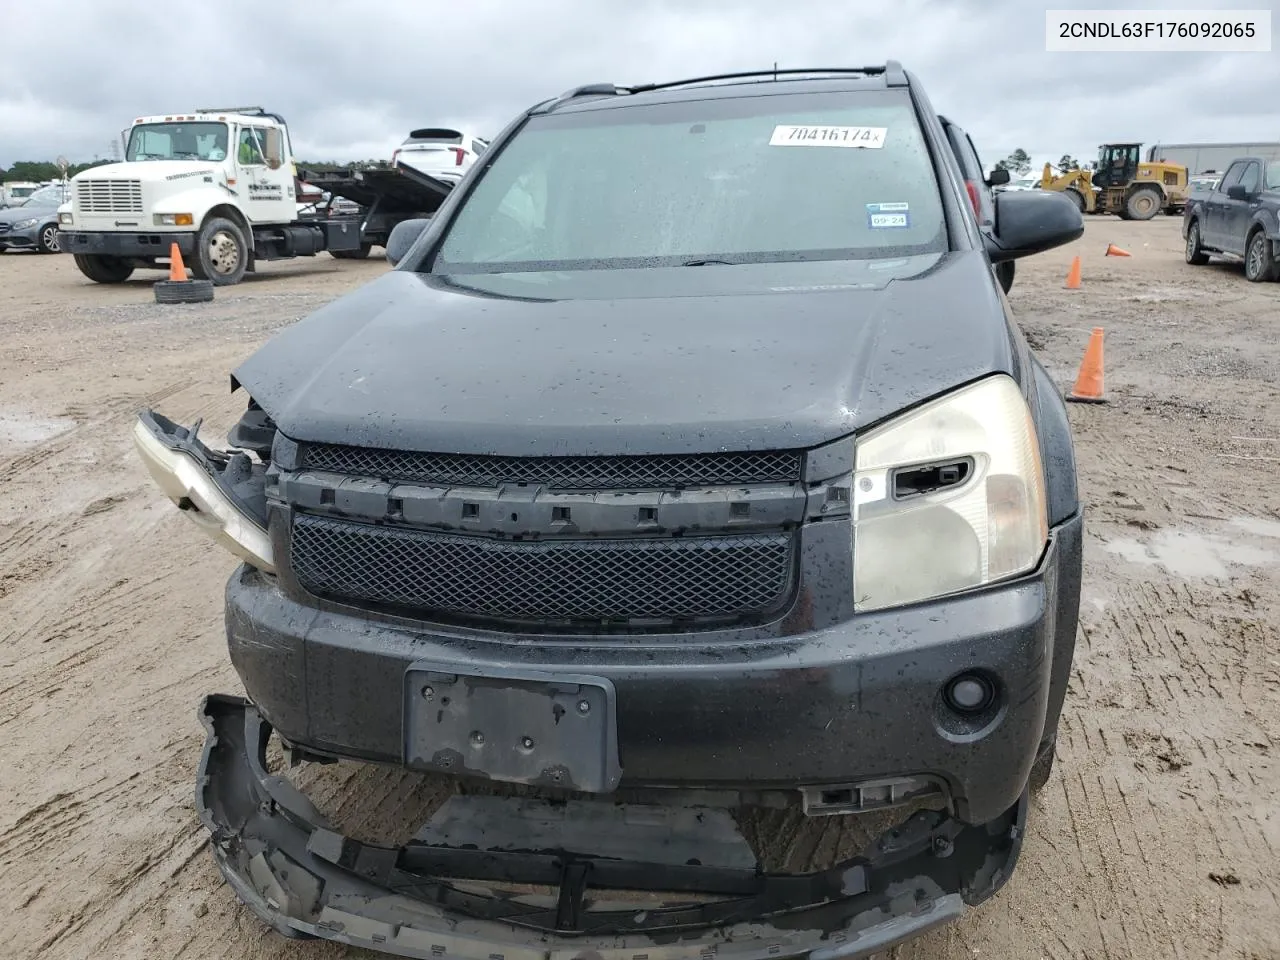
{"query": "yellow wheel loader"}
(1123, 184)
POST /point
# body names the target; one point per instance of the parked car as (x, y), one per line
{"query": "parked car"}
(34, 225)
(1022, 183)
(1238, 219)
(440, 153)
(979, 186)
(1203, 184)
(651, 476)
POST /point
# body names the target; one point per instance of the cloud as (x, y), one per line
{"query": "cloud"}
(353, 79)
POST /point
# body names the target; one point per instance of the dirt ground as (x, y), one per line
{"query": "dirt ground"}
(1157, 837)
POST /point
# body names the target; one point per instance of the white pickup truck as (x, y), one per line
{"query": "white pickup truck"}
(222, 184)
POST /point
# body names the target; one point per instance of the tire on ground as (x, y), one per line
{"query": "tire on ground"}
(47, 239)
(222, 253)
(1260, 264)
(184, 291)
(103, 269)
(1143, 203)
(1076, 197)
(1194, 253)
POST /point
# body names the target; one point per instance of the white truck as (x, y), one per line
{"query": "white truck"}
(15, 192)
(222, 184)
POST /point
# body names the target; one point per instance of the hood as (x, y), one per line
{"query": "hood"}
(152, 171)
(593, 363)
(28, 211)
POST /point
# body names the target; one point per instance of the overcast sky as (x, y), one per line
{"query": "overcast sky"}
(352, 84)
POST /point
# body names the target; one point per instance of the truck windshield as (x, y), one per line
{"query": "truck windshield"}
(755, 178)
(177, 141)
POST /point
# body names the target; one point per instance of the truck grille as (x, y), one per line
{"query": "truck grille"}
(560, 581)
(559, 473)
(109, 196)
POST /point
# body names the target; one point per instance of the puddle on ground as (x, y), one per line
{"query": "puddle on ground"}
(1258, 526)
(1186, 553)
(19, 430)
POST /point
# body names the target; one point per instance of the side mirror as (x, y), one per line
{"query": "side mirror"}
(998, 178)
(1032, 221)
(403, 236)
(1237, 192)
(275, 156)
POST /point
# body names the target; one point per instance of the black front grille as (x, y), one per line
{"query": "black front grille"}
(560, 581)
(559, 473)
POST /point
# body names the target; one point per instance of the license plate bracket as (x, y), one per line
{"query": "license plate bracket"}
(512, 725)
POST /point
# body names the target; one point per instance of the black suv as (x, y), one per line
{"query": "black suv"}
(688, 463)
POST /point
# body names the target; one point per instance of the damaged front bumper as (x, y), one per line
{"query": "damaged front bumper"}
(305, 879)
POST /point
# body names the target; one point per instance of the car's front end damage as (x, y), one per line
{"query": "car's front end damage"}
(447, 893)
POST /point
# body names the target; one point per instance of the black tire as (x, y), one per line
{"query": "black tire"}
(1042, 768)
(184, 291)
(103, 269)
(1259, 264)
(1143, 203)
(1004, 273)
(47, 239)
(1194, 253)
(222, 253)
(1076, 197)
(360, 253)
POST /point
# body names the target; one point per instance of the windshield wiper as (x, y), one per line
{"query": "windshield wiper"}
(707, 262)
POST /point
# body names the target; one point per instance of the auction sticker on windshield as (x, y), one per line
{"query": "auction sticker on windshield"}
(882, 216)
(806, 136)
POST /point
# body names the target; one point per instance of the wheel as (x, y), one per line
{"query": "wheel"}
(47, 242)
(1042, 768)
(1195, 254)
(103, 269)
(1076, 197)
(184, 291)
(1259, 265)
(1004, 273)
(222, 253)
(1143, 203)
(360, 253)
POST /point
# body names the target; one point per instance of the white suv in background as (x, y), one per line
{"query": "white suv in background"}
(440, 153)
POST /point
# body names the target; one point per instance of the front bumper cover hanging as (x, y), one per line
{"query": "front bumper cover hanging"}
(306, 880)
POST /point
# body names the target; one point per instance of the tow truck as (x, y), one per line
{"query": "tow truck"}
(222, 183)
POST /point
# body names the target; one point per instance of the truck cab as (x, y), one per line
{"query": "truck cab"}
(221, 184)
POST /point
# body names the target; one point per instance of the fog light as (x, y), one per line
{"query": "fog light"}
(969, 693)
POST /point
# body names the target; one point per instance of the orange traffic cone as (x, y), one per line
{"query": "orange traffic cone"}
(1114, 251)
(177, 270)
(1088, 388)
(1073, 275)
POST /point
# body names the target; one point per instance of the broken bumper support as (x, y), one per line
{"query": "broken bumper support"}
(304, 879)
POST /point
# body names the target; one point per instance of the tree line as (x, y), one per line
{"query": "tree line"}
(1019, 162)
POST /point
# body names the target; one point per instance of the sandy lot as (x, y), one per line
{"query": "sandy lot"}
(1158, 836)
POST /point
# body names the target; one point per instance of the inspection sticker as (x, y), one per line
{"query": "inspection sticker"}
(806, 136)
(881, 216)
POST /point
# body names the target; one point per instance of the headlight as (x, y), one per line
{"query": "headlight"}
(23, 224)
(173, 219)
(188, 484)
(66, 217)
(948, 497)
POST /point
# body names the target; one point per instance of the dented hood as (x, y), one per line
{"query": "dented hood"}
(769, 356)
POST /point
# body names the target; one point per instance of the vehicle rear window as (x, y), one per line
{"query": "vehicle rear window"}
(740, 179)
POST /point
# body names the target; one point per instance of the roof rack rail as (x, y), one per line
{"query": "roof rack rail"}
(594, 90)
(245, 111)
(891, 70)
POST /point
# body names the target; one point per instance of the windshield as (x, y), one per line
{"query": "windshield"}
(55, 193)
(178, 141)
(742, 179)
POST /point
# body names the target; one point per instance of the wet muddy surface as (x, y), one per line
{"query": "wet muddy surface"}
(1158, 835)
